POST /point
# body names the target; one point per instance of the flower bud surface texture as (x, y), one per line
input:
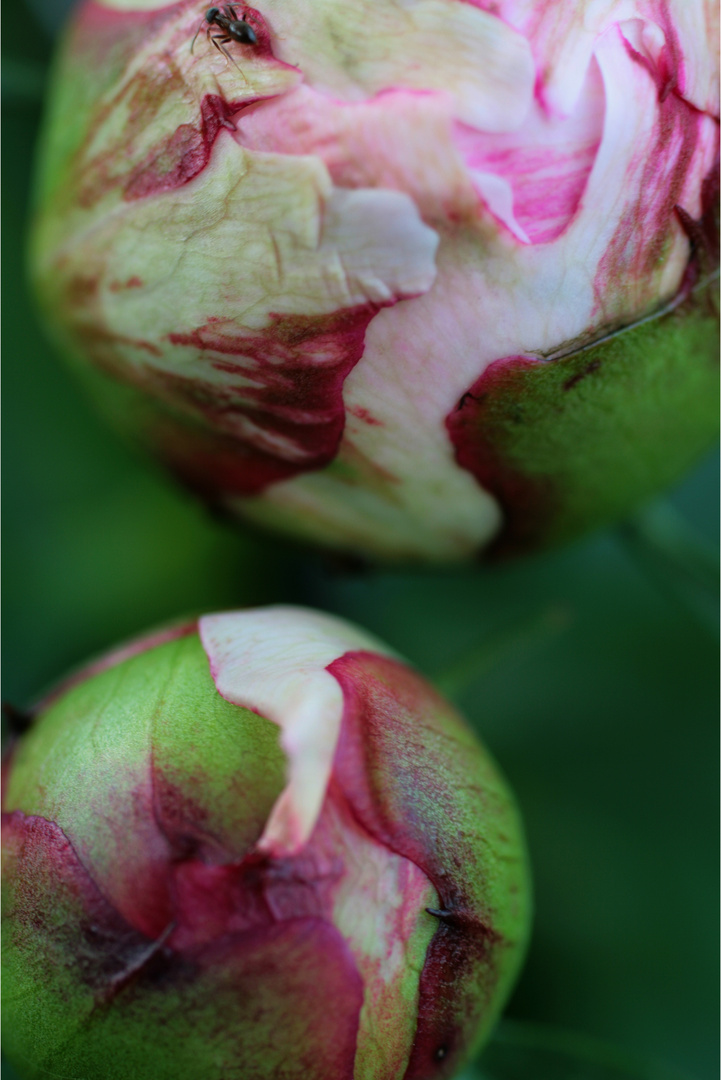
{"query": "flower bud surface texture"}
(412, 279)
(257, 846)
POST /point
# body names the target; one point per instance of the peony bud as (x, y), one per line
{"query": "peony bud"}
(409, 279)
(255, 846)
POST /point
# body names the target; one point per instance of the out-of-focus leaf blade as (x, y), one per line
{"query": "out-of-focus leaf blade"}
(23, 81)
(677, 559)
(463, 673)
(522, 1051)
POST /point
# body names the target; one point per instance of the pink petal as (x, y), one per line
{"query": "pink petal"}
(545, 164)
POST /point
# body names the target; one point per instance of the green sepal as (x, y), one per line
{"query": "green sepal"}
(574, 443)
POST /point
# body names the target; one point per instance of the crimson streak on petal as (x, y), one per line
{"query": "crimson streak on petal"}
(278, 413)
(398, 763)
(183, 154)
(638, 246)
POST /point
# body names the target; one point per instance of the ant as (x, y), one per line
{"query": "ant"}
(233, 29)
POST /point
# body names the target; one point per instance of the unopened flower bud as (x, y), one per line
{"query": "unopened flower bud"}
(414, 280)
(256, 846)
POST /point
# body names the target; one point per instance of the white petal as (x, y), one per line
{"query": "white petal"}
(353, 50)
(273, 661)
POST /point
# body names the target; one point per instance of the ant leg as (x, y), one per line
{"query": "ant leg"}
(220, 43)
(231, 11)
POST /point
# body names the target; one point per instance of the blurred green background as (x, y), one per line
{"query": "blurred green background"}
(589, 672)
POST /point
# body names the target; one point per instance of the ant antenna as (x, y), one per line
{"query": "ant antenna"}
(196, 35)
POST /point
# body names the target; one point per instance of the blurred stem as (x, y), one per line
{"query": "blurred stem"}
(23, 82)
(676, 558)
(462, 673)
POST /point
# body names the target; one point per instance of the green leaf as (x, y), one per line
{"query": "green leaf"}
(23, 81)
(494, 649)
(523, 1051)
(676, 558)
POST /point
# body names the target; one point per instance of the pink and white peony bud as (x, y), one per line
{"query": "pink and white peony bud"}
(256, 846)
(408, 279)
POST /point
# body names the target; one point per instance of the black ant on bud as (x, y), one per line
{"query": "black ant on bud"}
(233, 29)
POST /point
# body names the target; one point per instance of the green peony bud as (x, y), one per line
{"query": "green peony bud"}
(258, 846)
